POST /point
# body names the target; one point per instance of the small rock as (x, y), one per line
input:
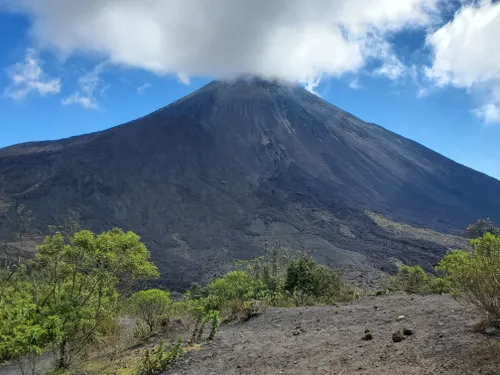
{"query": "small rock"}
(400, 318)
(407, 331)
(367, 337)
(238, 366)
(397, 336)
(296, 333)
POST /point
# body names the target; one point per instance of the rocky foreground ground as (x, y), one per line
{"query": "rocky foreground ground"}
(440, 339)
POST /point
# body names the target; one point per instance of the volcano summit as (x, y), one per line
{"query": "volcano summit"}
(237, 166)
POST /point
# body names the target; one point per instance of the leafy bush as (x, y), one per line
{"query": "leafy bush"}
(414, 280)
(157, 360)
(439, 285)
(474, 277)
(151, 306)
(310, 282)
(235, 286)
(410, 279)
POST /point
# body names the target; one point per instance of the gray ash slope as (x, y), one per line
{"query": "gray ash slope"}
(217, 175)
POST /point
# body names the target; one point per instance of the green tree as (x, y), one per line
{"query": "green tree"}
(474, 277)
(78, 281)
(25, 330)
(151, 306)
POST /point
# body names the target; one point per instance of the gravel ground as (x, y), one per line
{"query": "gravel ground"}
(328, 340)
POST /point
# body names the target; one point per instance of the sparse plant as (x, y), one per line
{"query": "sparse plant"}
(213, 317)
(160, 358)
(141, 332)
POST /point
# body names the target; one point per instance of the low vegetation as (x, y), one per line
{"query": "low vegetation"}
(414, 280)
(69, 299)
(474, 277)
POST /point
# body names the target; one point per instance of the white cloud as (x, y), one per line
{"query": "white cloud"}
(287, 39)
(392, 69)
(489, 113)
(311, 84)
(28, 76)
(354, 84)
(183, 78)
(88, 84)
(466, 55)
(143, 88)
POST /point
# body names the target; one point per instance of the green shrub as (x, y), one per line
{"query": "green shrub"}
(235, 286)
(414, 280)
(157, 360)
(474, 277)
(152, 306)
(212, 317)
(309, 283)
(411, 279)
(439, 285)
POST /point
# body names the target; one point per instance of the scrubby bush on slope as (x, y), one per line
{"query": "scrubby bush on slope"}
(151, 306)
(414, 280)
(474, 277)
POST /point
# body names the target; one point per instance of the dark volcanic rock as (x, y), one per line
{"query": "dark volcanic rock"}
(235, 167)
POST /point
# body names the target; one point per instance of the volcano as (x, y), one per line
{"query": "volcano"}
(237, 167)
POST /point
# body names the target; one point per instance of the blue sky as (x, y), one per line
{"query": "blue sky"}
(425, 69)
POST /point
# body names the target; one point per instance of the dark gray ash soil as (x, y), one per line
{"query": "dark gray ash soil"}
(329, 341)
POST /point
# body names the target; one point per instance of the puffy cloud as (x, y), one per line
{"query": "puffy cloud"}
(28, 76)
(298, 40)
(466, 55)
(88, 84)
(489, 112)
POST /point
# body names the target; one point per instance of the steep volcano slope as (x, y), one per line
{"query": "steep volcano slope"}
(233, 166)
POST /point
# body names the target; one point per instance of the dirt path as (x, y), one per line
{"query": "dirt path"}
(328, 341)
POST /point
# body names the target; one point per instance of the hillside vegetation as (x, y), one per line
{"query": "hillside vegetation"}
(82, 299)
